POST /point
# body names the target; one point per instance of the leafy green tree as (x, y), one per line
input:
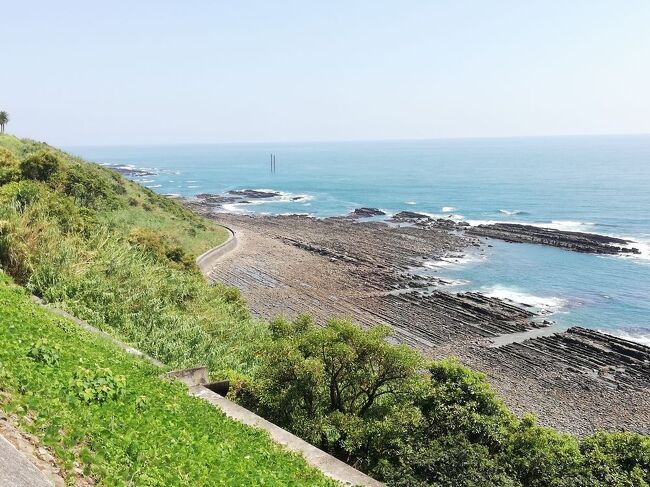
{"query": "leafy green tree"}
(4, 119)
(342, 388)
(411, 422)
(40, 166)
(619, 459)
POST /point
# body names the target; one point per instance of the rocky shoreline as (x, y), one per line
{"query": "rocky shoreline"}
(371, 271)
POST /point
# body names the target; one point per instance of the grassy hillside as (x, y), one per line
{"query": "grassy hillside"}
(121, 203)
(119, 256)
(110, 414)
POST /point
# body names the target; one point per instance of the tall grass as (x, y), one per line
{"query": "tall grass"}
(78, 254)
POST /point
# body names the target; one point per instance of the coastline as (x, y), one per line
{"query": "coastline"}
(579, 380)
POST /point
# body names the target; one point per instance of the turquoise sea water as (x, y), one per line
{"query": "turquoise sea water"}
(597, 184)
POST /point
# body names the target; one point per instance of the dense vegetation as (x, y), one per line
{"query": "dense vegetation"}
(352, 393)
(121, 257)
(111, 415)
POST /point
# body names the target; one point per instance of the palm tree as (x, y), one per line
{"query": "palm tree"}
(4, 119)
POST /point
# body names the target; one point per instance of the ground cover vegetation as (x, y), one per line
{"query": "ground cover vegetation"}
(109, 417)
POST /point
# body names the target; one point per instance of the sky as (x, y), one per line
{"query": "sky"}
(174, 72)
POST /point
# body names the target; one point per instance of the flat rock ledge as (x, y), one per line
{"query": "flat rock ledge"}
(577, 241)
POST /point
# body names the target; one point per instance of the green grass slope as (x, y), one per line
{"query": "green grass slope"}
(109, 413)
(119, 256)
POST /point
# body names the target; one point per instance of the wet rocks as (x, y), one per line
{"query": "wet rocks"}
(576, 241)
(207, 203)
(254, 193)
(129, 171)
(410, 217)
(212, 199)
(366, 213)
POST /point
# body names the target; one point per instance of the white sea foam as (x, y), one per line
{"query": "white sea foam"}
(563, 225)
(282, 197)
(448, 209)
(154, 185)
(642, 245)
(118, 166)
(144, 181)
(193, 186)
(639, 337)
(513, 212)
(436, 216)
(234, 208)
(453, 261)
(546, 304)
(410, 203)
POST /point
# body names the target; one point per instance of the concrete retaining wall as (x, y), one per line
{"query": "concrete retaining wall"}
(206, 261)
(196, 379)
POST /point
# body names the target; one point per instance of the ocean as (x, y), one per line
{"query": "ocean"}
(597, 184)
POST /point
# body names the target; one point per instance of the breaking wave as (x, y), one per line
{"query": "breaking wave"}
(641, 336)
(545, 304)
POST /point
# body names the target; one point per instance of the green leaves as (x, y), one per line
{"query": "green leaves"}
(342, 388)
(97, 385)
(371, 404)
(43, 352)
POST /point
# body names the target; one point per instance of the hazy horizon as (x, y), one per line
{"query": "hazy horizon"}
(352, 141)
(156, 73)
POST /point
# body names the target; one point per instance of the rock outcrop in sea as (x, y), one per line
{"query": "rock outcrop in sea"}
(576, 241)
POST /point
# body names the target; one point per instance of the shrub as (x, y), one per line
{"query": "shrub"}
(161, 247)
(344, 389)
(87, 188)
(233, 295)
(40, 166)
(98, 385)
(18, 196)
(9, 167)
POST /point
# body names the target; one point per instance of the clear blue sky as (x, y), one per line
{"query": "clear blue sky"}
(128, 72)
